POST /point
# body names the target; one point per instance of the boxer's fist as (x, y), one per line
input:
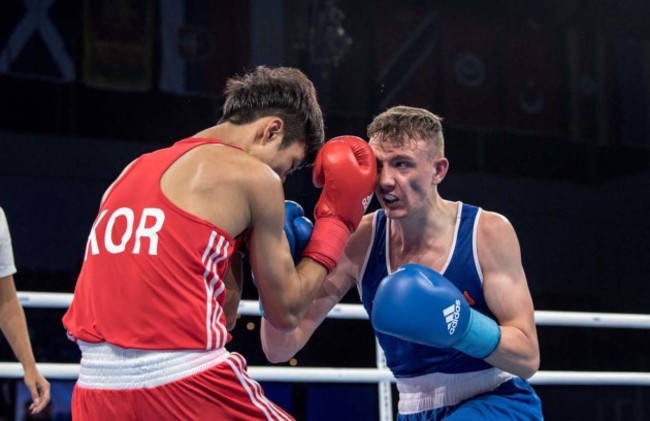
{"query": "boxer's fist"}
(297, 228)
(417, 304)
(346, 169)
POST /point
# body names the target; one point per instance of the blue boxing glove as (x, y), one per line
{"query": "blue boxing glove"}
(417, 304)
(297, 228)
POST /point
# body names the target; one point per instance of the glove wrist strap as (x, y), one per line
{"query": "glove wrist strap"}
(482, 336)
(327, 242)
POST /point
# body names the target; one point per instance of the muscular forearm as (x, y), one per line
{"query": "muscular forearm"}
(311, 274)
(517, 353)
(280, 346)
(286, 305)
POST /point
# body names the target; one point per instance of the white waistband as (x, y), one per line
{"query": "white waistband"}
(435, 390)
(106, 366)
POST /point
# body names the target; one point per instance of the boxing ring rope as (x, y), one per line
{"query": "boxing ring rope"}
(381, 374)
(357, 312)
(63, 371)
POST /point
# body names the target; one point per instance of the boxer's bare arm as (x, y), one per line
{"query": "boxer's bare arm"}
(507, 295)
(346, 169)
(284, 289)
(280, 346)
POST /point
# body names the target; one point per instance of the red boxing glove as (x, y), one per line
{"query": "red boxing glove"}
(347, 170)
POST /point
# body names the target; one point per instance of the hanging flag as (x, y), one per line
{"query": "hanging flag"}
(469, 51)
(118, 44)
(203, 42)
(35, 47)
(532, 77)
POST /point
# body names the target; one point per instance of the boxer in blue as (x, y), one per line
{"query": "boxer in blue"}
(442, 282)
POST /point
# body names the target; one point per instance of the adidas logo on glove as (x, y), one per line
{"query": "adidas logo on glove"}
(452, 313)
(366, 201)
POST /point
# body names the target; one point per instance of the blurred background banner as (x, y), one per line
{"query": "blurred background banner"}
(403, 42)
(470, 56)
(202, 43)
(118, 44)
(35, 43)
(532, 69)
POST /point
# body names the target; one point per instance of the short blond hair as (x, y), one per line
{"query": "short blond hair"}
(401, 123)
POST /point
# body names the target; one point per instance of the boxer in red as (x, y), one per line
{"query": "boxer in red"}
(158, 288)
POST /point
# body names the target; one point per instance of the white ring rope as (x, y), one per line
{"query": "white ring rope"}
(361, 375)
(374, 375)
(357, 312)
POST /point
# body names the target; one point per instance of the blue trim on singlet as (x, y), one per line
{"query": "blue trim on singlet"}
(408, 359)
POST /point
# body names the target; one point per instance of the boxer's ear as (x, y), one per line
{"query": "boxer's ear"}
(441, 166)
(273, 130)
